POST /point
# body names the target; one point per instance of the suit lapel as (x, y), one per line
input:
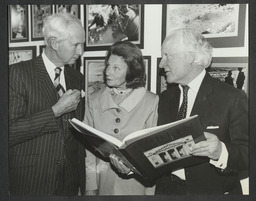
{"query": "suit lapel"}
(45, 84)
(201, 101)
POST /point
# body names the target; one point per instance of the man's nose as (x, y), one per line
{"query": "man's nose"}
(162, 63)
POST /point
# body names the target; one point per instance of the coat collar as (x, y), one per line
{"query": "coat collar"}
(205, 90)
(128, 104)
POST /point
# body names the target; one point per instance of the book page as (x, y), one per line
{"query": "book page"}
(145, 132)
(83, 128)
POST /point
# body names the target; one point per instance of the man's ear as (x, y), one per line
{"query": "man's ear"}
(190, 56)
(53, 43)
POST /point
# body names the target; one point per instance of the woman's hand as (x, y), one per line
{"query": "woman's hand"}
(119, 165)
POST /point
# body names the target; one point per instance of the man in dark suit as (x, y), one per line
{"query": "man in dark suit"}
(223, 113)
(45, 158)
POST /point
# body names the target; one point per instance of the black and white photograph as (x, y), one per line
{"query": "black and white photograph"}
(106, 24)
(18, 23)
(123, 68)
(231, 71)
(38, 14)
(217, 22)
(68, 8)
(18, 54)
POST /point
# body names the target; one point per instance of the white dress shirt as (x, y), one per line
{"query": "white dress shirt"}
(50, 69)
(194, 86)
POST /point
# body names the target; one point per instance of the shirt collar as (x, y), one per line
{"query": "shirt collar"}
(128, 104)
(48, 64)
(195, 84)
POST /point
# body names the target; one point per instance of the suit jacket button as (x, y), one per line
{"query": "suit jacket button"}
(116, 130)
(118, 120)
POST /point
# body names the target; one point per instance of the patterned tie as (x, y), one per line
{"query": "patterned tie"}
(57, 84)
(183, 108)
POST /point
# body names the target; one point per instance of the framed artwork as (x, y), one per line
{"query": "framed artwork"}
(18, 23)
(38, 14)
(18, 54)
(93, 71)
(105, 24)
(68, 8)
(231, 70)
(222, 24)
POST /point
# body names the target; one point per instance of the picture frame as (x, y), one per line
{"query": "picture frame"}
(18, 54)
(18, 23)
(68, 8)
(232, 70)
(222, 24)
(105, 24)
(93, 71)
(38, 14)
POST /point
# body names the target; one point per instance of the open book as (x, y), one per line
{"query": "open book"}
(149, 152)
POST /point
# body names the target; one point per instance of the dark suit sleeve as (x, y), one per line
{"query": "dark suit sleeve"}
(24, 125)
(237, 146)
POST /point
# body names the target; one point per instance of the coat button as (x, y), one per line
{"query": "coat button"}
(118, 120)
(116, 130)
(118, 110)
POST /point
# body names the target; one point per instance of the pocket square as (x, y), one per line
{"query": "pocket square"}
(82, 93)
(212, 127)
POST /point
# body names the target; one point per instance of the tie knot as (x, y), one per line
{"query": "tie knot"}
(185, 88)
(58, 70)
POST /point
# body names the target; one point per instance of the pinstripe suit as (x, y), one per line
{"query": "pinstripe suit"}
(44, 157)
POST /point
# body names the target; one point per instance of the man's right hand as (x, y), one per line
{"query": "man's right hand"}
(67, 103)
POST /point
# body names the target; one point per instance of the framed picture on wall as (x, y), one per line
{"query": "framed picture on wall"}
(93, 71)
(105, 24)
(18, 23)
(18, 54)
(68, 8)
(231, 70)
(222, 24)
(38, 14)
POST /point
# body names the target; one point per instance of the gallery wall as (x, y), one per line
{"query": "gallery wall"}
(224, 58)
(153, 33)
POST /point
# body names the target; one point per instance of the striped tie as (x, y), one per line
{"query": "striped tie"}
(183, 108)
(57, 84)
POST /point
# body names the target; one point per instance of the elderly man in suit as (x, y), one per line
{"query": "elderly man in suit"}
(222, 110)
(45, 158)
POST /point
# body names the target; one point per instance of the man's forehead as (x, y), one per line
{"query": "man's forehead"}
(168, 46)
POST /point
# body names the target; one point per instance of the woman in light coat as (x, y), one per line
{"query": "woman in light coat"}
(121, 107)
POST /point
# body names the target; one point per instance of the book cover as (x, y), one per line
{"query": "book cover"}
(150, 152)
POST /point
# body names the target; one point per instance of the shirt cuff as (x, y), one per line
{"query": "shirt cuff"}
(223, 160)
